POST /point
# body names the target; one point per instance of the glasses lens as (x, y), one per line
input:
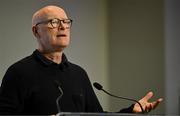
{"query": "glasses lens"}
(55, 23)
(67, 22)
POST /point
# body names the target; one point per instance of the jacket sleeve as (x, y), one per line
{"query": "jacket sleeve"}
(127, 110)
(11, 93)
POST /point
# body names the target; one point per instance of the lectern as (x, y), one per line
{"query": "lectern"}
(102, 114)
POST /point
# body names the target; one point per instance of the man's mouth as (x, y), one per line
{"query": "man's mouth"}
(61, 35)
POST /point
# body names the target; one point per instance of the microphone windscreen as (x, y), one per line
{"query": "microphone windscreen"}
(97, 86)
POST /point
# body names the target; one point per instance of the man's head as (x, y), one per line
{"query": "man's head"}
(51, 27)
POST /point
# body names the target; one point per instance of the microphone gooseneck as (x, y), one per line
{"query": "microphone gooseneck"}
(58, 85)
(100, 87)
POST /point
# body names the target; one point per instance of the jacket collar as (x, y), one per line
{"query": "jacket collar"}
(48, 62)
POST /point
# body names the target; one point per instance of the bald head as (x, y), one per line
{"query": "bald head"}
(48, 12)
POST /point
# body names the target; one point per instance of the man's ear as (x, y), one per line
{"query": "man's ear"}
(35, 31)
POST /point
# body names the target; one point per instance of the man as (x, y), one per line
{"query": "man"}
(46, 82)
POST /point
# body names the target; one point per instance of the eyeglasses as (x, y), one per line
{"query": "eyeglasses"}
(55, 23)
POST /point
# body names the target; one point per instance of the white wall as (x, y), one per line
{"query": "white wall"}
(172, 35)
(88, 46)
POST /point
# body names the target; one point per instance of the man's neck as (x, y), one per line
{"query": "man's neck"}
(53, 56)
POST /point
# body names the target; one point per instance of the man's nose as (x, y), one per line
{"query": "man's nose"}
(61, 26)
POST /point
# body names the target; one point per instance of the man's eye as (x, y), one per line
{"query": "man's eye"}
(54, 22)
(66, 21)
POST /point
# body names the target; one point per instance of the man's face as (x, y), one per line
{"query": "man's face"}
(54, 30)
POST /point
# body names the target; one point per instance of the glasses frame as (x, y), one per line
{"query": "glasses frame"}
(62, 21)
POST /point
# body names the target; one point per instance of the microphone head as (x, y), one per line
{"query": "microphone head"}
(57, 83)
(97, 86)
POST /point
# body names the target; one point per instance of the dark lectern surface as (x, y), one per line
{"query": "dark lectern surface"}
(104, 114)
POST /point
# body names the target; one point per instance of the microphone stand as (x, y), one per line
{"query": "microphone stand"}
(100, 87)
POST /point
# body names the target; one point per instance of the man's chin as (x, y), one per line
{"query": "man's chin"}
(60, 48)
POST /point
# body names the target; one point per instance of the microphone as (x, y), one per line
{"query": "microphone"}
(100, 87)
(58, 85)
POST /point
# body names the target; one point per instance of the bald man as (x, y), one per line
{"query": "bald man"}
(46, 82)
